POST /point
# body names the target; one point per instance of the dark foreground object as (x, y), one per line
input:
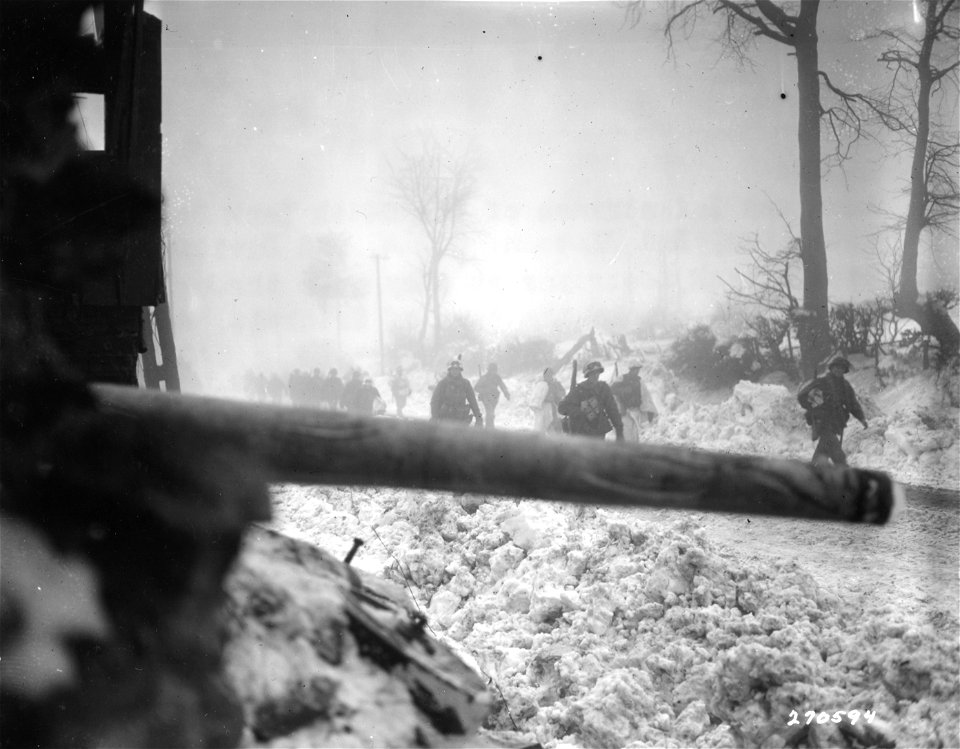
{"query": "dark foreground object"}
(320, 447)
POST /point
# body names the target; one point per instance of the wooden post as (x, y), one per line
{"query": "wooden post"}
(310, 446)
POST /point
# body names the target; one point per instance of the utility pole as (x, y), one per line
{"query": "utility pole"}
(383, 369)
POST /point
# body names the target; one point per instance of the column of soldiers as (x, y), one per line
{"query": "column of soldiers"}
(315, 389)
(357, 395)
(592, 408)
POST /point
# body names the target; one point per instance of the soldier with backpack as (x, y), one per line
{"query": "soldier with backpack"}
(590, 407)
(488, 389)
(629, 394)
(453, 398)
(400, 387)
(544, 399)
(829, 401)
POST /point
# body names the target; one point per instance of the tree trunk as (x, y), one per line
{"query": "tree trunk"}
(425, 319)
(437, 333)
(932, 318)
(813, 331)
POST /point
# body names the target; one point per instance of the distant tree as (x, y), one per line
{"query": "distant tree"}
(924, 67)
(768, 285)
(742, 22)
(436, 187)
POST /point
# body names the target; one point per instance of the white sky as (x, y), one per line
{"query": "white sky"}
(610, 179)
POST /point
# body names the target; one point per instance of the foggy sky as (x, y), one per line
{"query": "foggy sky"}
(610, 180)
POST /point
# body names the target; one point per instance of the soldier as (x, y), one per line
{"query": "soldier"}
(544, 401)
(629, 394)
(351, 391)
(488, 389)
(829, 401)
(591, 407)
(453, 398)
(333, 389)
(400, 387)
(368, 399)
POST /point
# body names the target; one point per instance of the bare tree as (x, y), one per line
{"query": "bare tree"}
(436, 187)
(924, 73)
(767, 285)
(742, 22)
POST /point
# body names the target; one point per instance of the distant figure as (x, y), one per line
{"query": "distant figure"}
(296, 386)
(629, 394)
(546, 396)
(351, 390)
(488, 389)
(315, 384)
(368, 399)
(591, 407)
(275, 388)
(829, 401)
(332, 390)
(400, 388)
(453, 398)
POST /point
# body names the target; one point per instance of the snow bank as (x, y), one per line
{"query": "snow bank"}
(602, 629)
(613, 631)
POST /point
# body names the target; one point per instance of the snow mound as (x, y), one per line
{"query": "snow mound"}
(606, 629)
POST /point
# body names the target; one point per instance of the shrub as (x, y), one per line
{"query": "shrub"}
(692, 356)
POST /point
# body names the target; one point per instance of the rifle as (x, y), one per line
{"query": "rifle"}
(565, 420)
(312, 446)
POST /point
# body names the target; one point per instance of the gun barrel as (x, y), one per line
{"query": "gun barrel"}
(311, 446)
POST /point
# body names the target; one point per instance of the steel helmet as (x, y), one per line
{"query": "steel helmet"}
(839, 361)
(592, 367)
(455, 364)
(634, 365)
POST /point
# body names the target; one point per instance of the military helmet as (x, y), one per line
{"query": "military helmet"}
(634, 365)
(839, 361)
(455, 364)
(592, 367)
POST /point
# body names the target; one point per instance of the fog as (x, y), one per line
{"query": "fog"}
(612, 181)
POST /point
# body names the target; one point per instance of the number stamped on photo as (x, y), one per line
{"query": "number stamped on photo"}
(837, 716)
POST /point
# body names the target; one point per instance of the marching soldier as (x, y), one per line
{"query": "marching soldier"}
(829, 401)
(591, 407)
(453, 398)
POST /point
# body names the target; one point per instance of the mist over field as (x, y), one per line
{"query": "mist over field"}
(613, 185)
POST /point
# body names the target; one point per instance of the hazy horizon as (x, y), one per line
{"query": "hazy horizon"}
(611, 181)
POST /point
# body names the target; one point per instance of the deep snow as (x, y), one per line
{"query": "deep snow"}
(618, 628)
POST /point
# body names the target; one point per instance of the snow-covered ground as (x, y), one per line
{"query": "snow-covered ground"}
(630, 628)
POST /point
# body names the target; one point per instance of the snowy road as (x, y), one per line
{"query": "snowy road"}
(911, 564)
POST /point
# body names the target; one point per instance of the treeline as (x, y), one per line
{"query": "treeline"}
(872, 329)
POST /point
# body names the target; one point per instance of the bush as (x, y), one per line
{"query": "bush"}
(770, 333)
(691, 356)
(697, 356)
(852, 326)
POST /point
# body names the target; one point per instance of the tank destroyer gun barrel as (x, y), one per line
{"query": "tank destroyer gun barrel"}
(308, 446)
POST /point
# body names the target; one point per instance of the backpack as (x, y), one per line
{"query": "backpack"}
(583, 408)
(629, 392)
(452, 401)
